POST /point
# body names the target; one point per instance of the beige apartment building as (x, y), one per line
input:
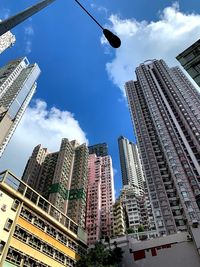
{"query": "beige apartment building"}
(33, 232)
(61, 177)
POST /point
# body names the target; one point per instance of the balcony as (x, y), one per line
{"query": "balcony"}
(25, 193)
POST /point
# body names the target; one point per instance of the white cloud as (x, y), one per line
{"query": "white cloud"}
(28, 46)
(40, 126)
(28, 36)
(29, 30)
(141, 40)
(99, 8)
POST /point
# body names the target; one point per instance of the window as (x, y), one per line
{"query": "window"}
(39, 223)
(20, 234)
(35, 242)
(14, 256)
(15, 204)
(51, 231)
(48, 250)
(26, 214)
(62, 238)
(8, 225)
(2, 244)
(60, 257)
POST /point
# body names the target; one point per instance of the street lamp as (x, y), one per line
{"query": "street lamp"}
(13, 21)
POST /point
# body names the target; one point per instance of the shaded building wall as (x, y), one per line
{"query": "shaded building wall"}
(93, 211)
(61, 177)
(101, 150)
(190, 60)
(76, 208)
(33, 168)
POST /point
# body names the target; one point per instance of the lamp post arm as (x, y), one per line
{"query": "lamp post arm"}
(89, 14)
(13, 21)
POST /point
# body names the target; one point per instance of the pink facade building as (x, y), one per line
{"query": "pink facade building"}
(100, 198)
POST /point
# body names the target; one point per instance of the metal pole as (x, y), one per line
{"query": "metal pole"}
(13, 21)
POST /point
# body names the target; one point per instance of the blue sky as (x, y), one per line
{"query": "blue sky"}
(80, 90)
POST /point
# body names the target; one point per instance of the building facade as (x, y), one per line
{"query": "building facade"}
(119, 218)
(101, 150)
(165, 109)
(61, 177)
(173, 250)
(6, 40)
(33, 232)
(190, 60)
(134, 196)
(138, 209)
(131, 168)
(100, 198)
(17, 86)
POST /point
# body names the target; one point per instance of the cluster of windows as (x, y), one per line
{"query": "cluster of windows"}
(15, 256)
(47, 207)
(42, 246)
(50, 230)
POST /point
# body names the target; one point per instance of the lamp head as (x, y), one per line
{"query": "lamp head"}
(113, 39)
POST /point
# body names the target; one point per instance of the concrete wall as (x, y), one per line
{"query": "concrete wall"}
(5, 213)
(174, 251)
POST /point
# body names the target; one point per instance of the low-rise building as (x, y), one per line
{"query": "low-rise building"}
(173, 250)
(33, 232)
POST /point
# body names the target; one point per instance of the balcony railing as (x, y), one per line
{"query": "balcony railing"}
(9, 179)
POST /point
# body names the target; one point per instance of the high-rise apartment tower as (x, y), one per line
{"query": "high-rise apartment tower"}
(190, 60)
(100, 198)
(17, 86)
(101, 150)
(165, 109)
(6, 40)
(130, 164)
(61, 177)
(134, 196)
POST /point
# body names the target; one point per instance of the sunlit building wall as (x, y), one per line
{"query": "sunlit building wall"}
(119, 218)
(6, 40)
(17, 86)
(100, 198)
(33, 232)
(165, 109)
(131, 168)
